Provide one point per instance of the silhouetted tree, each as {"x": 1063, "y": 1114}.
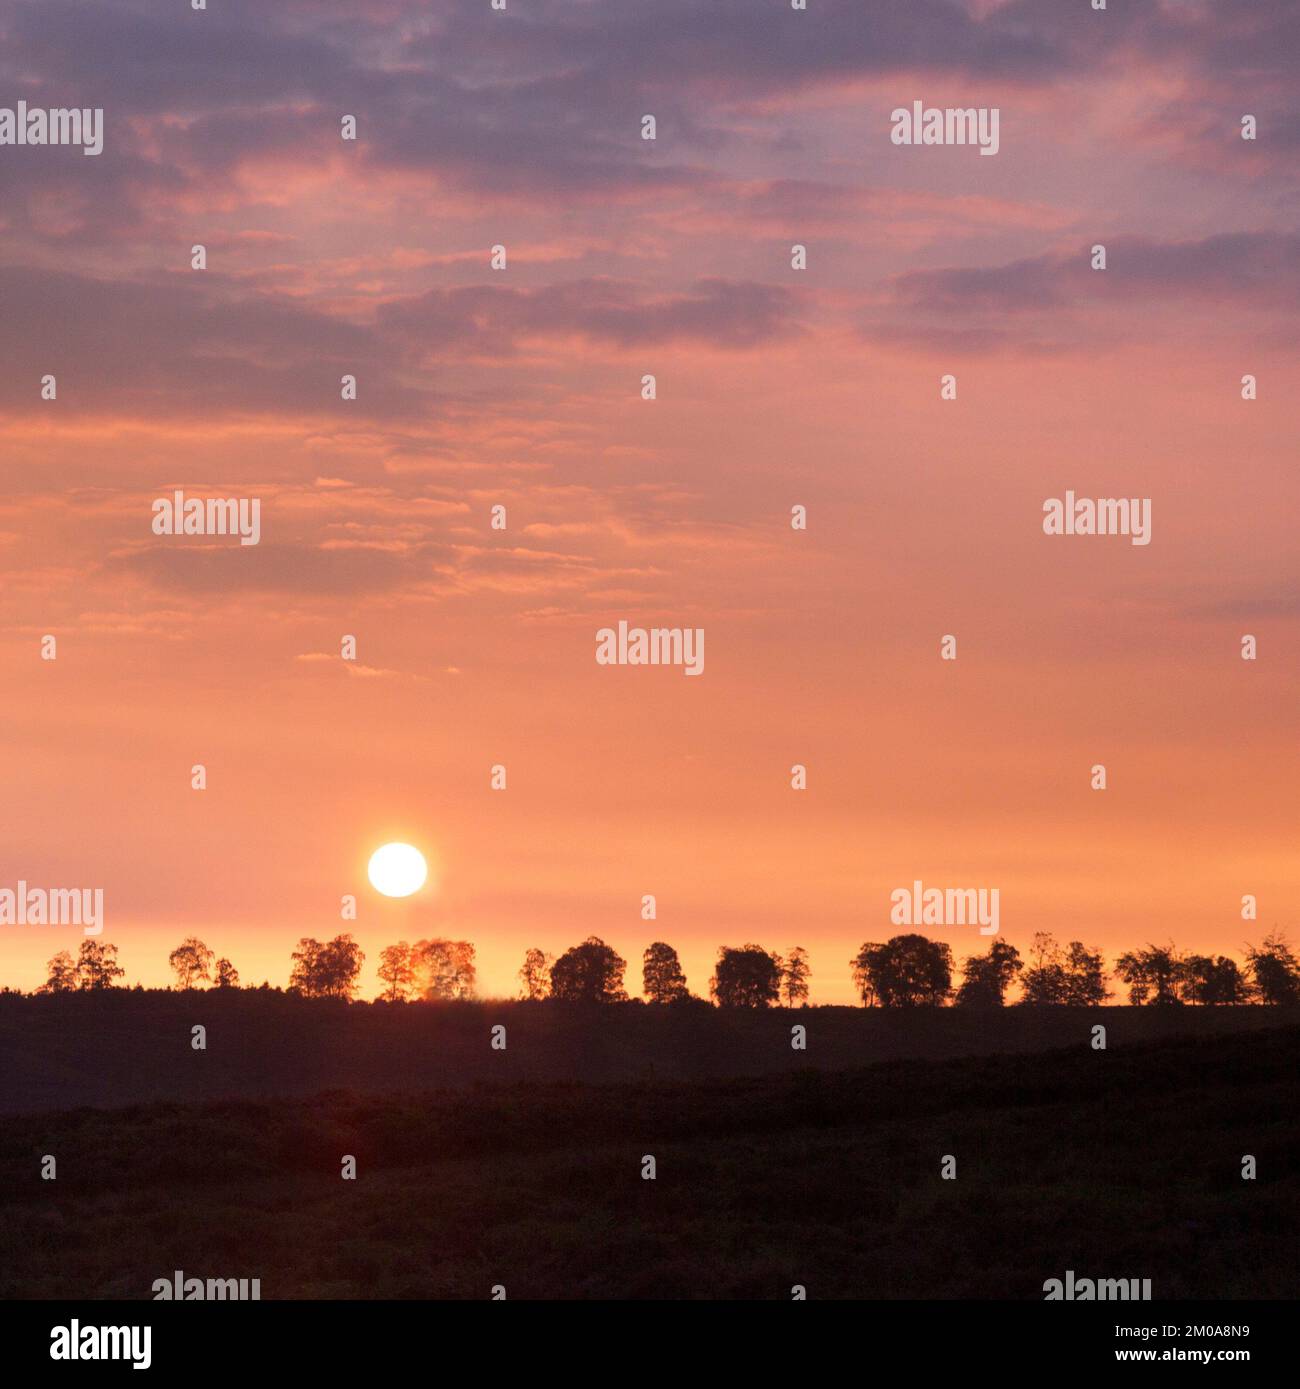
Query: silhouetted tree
{"x": 305, "y": 975}
{"x": 986, "y": 978}
{"x": 1154, "y": 976}
{"x": 1214, "y": 982}
{"x": 227, "y": 974}
{"x": 1275, "y": 970}
{"x": 794, "y": 978}
{"x": 444, "y": 969}
{"x": 908, "y": 971}
{"x": 1085, "y": 976}
{"x": 97, "y": 965}
{"x": 62, "y": 975}
{"x": 749, "y": 977}
{"x": 661, "y": 974}
{"x": 326, "y": 970}
{"x": 1044, "y": 979}
{"x": 535, "y": 974}
{"x": 191, "y": 961}
{"x": 397, "y": 971}
{"x": 1075, "y": 977}
{"x": 589, "y": 973}
{"x": 862, "y": 980}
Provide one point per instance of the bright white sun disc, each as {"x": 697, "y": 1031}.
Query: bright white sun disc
{"x": 397, "y": 870}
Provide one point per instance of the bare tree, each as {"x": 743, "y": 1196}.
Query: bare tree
{"x": 397, "y": 971}
{"x": 444, "y": 969}
{"x": 326, "y": 970}
{"x": 535, "y": 975}
{"x": 97, "y": 965}
{"x": 62, "y": 975}
{"x": 794, "y": 978}
{"x": 191, "y": 962}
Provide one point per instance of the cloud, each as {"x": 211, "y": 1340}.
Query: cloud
{"x": 352, "y": 669}
{"x": 306, "y": 569}
{"x": 1043, "y": 301}
{"x": 188, "y": 343}
{"x": 200, "y": 345}
{"x": 480, "y": 318}
{"x": 547, "y": 100}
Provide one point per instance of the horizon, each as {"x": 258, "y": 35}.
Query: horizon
{"x": 632, "y": 976}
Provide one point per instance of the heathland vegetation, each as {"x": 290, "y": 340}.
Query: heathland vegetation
{"x": 1126, "y": 1162}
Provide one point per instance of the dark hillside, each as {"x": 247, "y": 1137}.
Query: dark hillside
{"x": 123, "y": 1046}
{"x": 1116, "y": 1164}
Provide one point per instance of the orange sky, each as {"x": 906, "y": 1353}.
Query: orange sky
{"x": 775, "y": 388}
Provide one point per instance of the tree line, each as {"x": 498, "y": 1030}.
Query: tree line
{"x": 906, "y": 971}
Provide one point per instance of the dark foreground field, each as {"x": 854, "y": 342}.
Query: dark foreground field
{"x": 1116, "y": 1164}
{"x": 126, "y": 1046}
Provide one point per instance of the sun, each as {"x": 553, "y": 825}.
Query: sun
{"x": 397, "y": 870}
